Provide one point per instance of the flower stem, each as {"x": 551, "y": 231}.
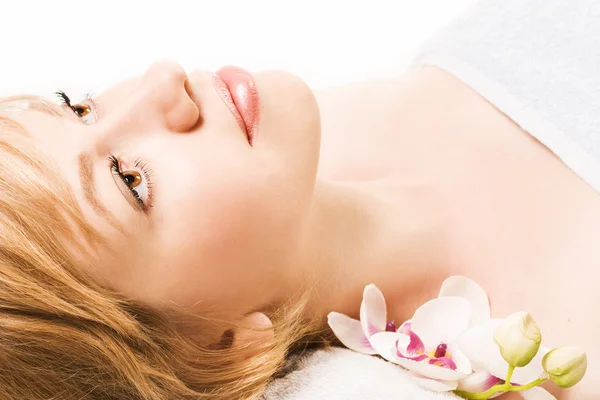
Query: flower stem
{"x": 528, "y": 386}
{"x": 509, "y": 374}
{"x": 483, "y": 395}
{"x": 505, "y": 387}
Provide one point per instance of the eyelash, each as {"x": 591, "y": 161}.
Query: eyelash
{"x": 77, "y": 108}
{"x": 115, "y": 167}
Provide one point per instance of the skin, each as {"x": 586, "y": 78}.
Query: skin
{"x": 414, "y": 179}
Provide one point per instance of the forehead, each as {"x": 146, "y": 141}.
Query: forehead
{"x": 13, "y": 108}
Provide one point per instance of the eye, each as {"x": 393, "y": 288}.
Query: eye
{"x": 132, "y": 178}
{"x": 135, "y": 183}
{"x": 85, "y": 111}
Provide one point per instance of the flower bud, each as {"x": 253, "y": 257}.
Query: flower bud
{"x": 565, "y": 365}
{"x": 518, "y": 337}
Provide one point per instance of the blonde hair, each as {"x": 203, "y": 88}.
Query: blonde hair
{"x": 65, "y": 336}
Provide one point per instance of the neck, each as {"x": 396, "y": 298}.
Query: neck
{"x": 356, "y": 237}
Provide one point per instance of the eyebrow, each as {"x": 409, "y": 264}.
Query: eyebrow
{"x": 88, "y": 184}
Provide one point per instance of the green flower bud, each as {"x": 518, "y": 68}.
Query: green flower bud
{"x": 565, "y": 365}
{"x": 519, "y": 338}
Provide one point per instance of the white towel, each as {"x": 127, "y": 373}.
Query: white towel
{"x": 342, "y": 374}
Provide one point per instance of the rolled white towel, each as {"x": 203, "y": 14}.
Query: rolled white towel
{"x": 342, "y": 374}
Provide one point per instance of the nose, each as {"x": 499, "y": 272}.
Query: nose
{"x": 163, "y": 96}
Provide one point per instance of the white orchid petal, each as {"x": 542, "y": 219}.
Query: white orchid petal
{"x": 466, "y": 288}
{"x": 373, "y": 313}
{"x": 432, "y": 384}
{"x": 441, "y": 320}
{"x": 537, "y": 393}
{"x": 478, "y": 382}
{"x": 385, "y": 344}
{"x": 429, "y": 370}
{"x": 349, "y": 332}
{"x": 477, "y": 343}
{"x": 463, "y": 364}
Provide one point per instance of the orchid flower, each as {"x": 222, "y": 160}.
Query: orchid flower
{"x": 356, "y": 334}
{"x": 427, "y": 346}
{"x": 451, "y": 344}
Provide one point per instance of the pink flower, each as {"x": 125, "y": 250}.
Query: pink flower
{"x": 448, "y": 344}
{"x": 429, "y": 349}
{"x": 426, "y": 344}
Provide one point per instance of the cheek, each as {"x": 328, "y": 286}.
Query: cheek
{"x": 233, "y": 232}
{"x": 250, "y": 215}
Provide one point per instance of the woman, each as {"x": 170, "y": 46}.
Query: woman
{"x": 173, "y": 237}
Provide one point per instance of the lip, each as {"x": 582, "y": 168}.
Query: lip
{"x": 237, "y": 88}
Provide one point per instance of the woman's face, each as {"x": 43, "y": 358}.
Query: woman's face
{"x": 194, "y": 213}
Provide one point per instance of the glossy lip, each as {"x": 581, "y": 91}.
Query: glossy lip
{"x": 237, "y": 88}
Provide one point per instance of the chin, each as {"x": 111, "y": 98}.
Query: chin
{"x": 290, "y": 123}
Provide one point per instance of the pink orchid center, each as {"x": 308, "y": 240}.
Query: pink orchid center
{"x": 440, "y": 351}
{"x": 444, "y": 362}
{"x": 441, "y": 357}
{"x": 391, "y": 326}
{"x": 415, "y": 351}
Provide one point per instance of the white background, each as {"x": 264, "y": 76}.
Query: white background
{"x": 90, "y": 45}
